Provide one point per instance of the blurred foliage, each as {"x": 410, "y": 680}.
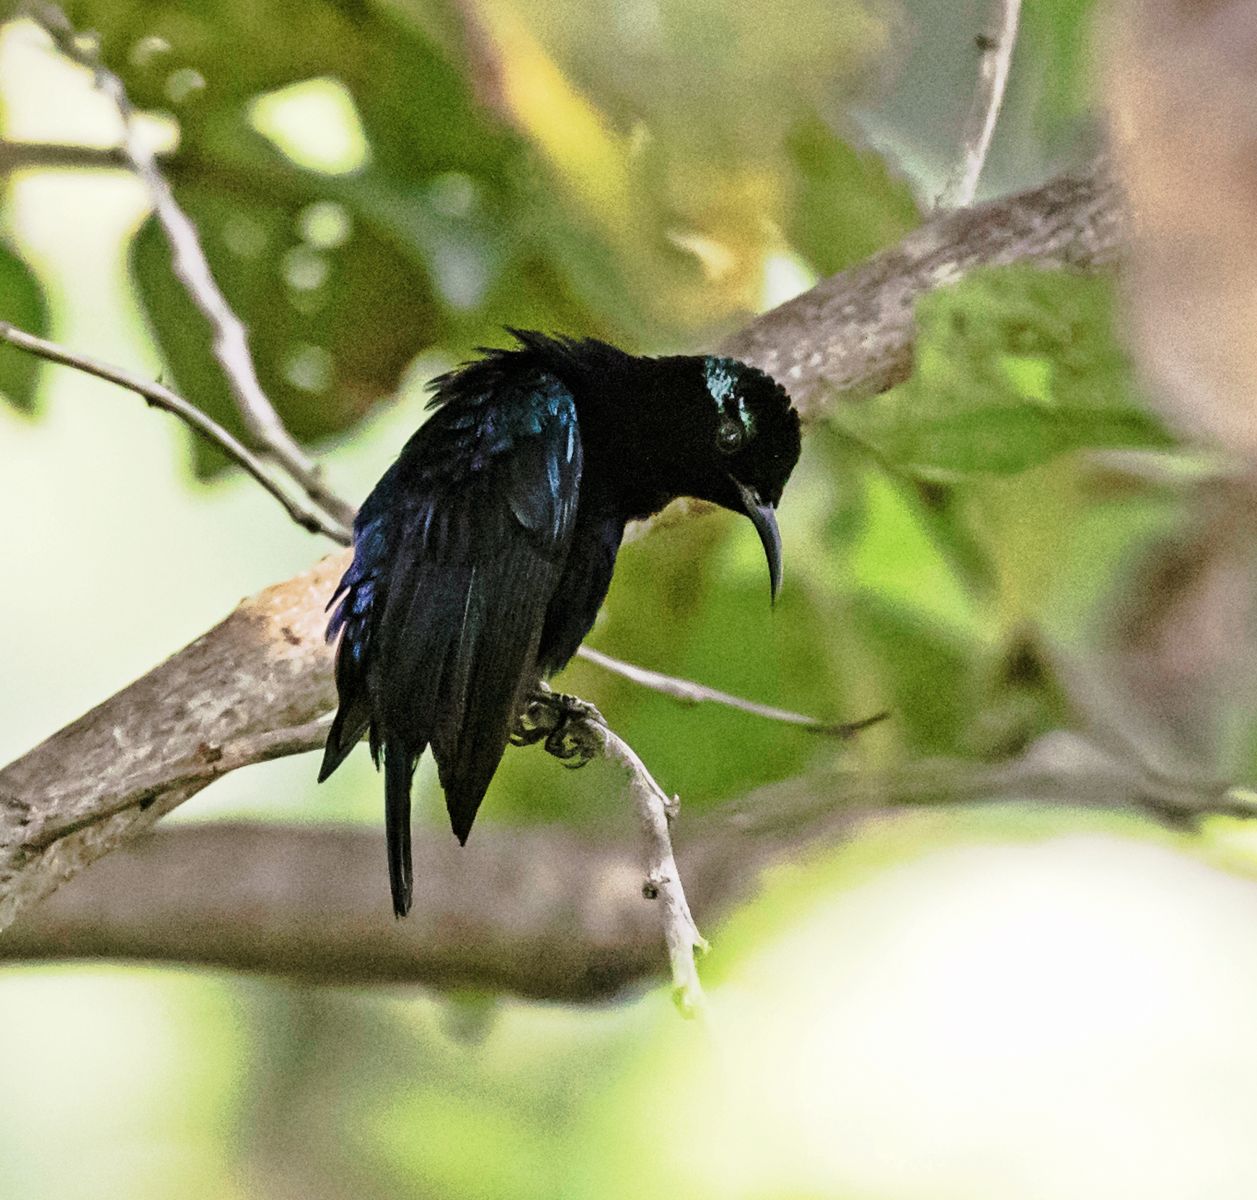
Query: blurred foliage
{"x": 850, "y": 203}
{"x": 1013, "y": 367}
{"x": 22, "y": 303}
{"x": 428, "y": 245}
{"x": 513, "y": 170}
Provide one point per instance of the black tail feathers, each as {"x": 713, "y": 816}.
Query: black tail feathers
{"x": 399, "y": 772}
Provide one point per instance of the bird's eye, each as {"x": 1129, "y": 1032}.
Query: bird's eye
{"x": 729, "y": 435}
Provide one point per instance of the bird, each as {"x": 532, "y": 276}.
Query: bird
{"x": 483, "y": 554}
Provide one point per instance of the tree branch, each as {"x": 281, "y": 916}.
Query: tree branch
{"x": 655, "y": 811}
{"x": 200, "y": 770}
{"x": 267, "y": 667}
{"x": 45, "y": 156}
{"x": 160, "y": 396}
{"x": 191, "y": 267}
{"x": 257, "y": 897}
{"x": 997, "y": 57}
{"x": 688, "y": 692}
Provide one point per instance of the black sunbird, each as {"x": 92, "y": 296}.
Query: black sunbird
{"x": 483, "y": 554}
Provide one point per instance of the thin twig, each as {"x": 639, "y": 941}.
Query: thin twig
{"x": 162, "y": 397}
{"x": 192, "y": 269}
{"x": 689, "y": 692}
{"x": 997, "y": 56}
{"x": 48, "y": 156}
{"x": 655, "y": 811}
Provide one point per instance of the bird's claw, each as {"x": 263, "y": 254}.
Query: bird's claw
{"x": 573, "y": 744}
{"x": 563, "y": 723}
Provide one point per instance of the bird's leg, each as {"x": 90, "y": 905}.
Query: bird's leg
{"x": 562, "y": 722}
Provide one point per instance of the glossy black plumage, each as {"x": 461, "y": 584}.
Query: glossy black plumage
{"x": 483, "y": 554}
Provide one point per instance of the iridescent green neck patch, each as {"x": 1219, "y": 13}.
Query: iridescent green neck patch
{"x": 722, "y": 377}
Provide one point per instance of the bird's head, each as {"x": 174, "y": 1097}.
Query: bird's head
{"x": 752, "y": 446}
{"x": 682, "y": 425}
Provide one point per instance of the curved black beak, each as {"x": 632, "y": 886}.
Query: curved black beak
{"x": 765, "y": 522}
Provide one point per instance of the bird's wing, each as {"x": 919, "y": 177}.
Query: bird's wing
{"x": 457, "y": 555}
{"x": 519, "y": 515}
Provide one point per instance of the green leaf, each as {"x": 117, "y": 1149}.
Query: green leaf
{"x": 848, "y": 203}
{"x": 1058, "y": 53}
{"x": 924, "y": 673}
{"x": 331, "y": 327}
{"x": 1013, "y": 367}
{"x": 237, "y": 48}
{"x": 432, "y": 242}
{"x": 22, "y": 303}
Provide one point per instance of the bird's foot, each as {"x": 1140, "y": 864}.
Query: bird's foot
{"x": 564, "y": 723}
